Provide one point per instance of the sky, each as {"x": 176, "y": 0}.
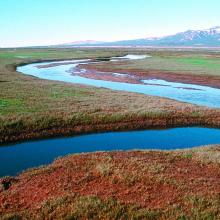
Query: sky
{"x": 48, "y": 22}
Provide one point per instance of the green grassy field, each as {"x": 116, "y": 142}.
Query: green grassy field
{"x": 31, "y": 107}
{"x": 194, "y": 62}
{"x": 188, "y": 65}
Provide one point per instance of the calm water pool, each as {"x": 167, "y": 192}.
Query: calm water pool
{"x": 18, "y": 157}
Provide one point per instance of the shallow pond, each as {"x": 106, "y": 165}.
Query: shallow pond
{"x": 18, "y": 157}
{"x": 195, "y": 94}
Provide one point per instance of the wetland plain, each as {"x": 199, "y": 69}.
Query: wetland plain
{"x": 33, "y": 107}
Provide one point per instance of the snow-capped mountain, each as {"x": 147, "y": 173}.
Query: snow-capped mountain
{"x": 207, "y": 37}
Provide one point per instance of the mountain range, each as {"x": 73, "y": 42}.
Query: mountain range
{"x": 203, "y": 38}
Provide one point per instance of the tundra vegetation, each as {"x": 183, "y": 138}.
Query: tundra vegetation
{"x": 119, "y": 185}
{"x": 109, "y": 185}
{"x": 36, "y": 108}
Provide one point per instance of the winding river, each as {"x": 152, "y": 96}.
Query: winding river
{"x": 60, "y": 71}
{"x": 17, "y": 157}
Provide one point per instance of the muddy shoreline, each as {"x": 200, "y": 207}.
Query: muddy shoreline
{"x": 140, "y": 74}
{"x": 107, "y": 76}
{"x": 99, "y": 71}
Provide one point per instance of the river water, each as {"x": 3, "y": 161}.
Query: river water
{"x": 190, "y": 93}
{"x": 20, "y": 156}
{"x": 17, "y": 157}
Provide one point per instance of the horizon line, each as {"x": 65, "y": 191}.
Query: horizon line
{"x": 109, "y": 41}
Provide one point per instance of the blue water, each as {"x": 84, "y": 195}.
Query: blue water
{"x": 14, "y": 159}
{"x": 190, "y": 93}
{"x": 18, "y": 157}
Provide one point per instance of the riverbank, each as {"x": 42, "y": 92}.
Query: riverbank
{"x": 55, "y": 127}
{"x": 109, "y": 185}
{"x": 28, "y": 154}
{"x": 32, "y": 108}
{"x": 106, "y": 69}
{"x": 138, "y": 184}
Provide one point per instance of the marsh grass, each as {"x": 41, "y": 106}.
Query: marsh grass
{"x": 131, "y": 172}
{"x": 104, "y": 168}
{"x": 38, "y": 171}
{"x": 30, "y": 106}
{"x": 197, "y": 64}
{"x": 203, "y": 207}
{"x": 205, "y": 154}
{"x": 92, "y": 207}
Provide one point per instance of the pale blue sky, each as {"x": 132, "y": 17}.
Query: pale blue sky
{"x": 42, "y": 22}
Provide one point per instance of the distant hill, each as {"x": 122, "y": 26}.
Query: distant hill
{"x": 87, "y": 42}
{"x": 207, "y": 37}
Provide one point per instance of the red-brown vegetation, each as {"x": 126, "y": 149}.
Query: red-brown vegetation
{"x": 152, "y": 180}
